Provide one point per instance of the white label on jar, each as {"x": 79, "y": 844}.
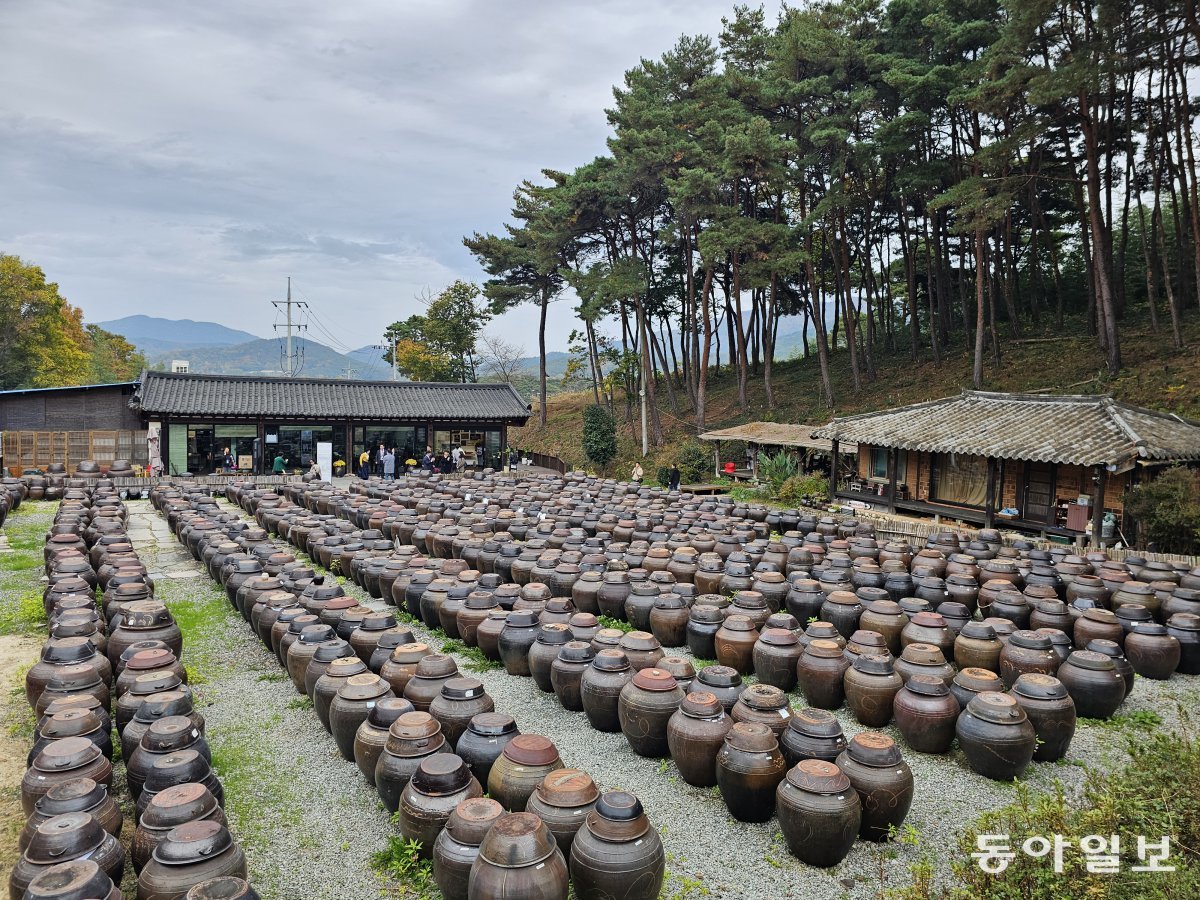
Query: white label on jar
{"x": 784, "y": 713}
{"x": 371, "y": 704}
{"x": 470, "y": 693}
{"x": 638, "y": 842}
{"x": 539, "y": 866}
{"x": 578, "y": 812}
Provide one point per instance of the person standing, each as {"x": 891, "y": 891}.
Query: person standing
{"x": 674, "y": 477}
{"x": 227, "y": 461}
{"x": 427, "y": 461}
{"x": 389, "y": 465}
{"x": 379, "y": 455}
{"x": 364, "y": 463}
{"x": 457, "y": 456}
{"x": 277, "y": 467}
{"x": 637, "y": 474}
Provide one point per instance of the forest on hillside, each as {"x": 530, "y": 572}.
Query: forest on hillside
{"x": 910, "y": 176}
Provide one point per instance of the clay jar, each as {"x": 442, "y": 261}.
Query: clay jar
{"x": 842, "y": 609}
{"x": 996, "y": 736}
{"x": 695, "y": 734}
{"x": 616, "y": 853}
{"x": 1152, "y": 651}
{"x": 820, "y": 671}
{"x": 1097, "y": 624}
{"x": 402, "y": 665}
{"x": 441, "y": 782}
{"x": 1093, "y": 682}
{"x": 63, "y": 760}
{"x": 644, "y": 706}
{"x": 923, "y": 659}
{"x": 600, "y": 689}
{"x": 885, "y": 617}
{"x": 189, "y": 855}
{"x": 722, "y": 682}
{"x": 926, "y": 712}
{"x": 819, "y": 812}
{"x": 1124, "y": 668}
{"x": 326, "y": 686}
{"x": 66, "y": 838}
{"x": 1027, "y": 652}
{"x": 641, "y": 649}
{"x": 457, "y": 846}
{"x": 929, "y": 628}
{"x": 884, "y": 783}
{"x": 520, "y": 632}
{"x": 871, "y": 685}
{"x": 372, "y": 734}
{"x": 460, "y": 701}
{"x": 1051, "y": 712}
{"x": 971, "y": 681}
{"x": 169, "y": 809}
{"x": 775, "y": 656}
{"x": 764, "y": 704}
{"x": 484, "y": 740}
{"x": 669, "y": 620}
{"x": 978, "y": 647}
{"x": 167, "y": 735}
{"x": 525, "y": 762}
{"x": 749, "y": 769}
{"x": 812, "y": 734}
{"x": 518, "y": 860}
{"x": 562, "y": 801}
{"x": 81, "y": 795}
{"x": 566, "y": 673}
{"x": 1185, "y": 628}
{"x": 411, "y": 738}
{"x": 544, "y": 651}
{"x": 734, "y": 643}
{"x": 432, "y": 672}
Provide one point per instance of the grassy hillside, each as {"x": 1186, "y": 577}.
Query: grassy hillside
{"x": 1155, "y": 376}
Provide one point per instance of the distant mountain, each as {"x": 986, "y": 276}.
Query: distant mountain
{"x": 556, "y": 363}
{"x": 265, "y": 357}
{"x": 153, "y": 335}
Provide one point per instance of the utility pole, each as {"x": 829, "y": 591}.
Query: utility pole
{"x": 290, "y": 366}
{"x": 645, "y": 375}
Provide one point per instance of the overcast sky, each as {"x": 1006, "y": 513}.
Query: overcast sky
{"x": 181, "y": 159}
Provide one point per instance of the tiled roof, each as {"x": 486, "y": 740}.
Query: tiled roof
{"x": 1079, "y": 430}
{"x": 776, "y": 434}
{"x": 169, "y": 393}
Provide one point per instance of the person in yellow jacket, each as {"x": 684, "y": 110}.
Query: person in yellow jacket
{"x": 364, "y": 460}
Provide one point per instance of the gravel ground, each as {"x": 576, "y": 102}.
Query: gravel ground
{"x": 311, "y": 800}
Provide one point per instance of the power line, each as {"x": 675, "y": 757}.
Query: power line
{"x": 291, "y": 363}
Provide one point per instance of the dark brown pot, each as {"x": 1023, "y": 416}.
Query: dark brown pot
{"x": 563, "y": 800}
{"x": 695, "y": 734}
{"x": 600, "y": 689}
{"x": 544, "y": 651}
{"x": 1093, "y": 682}
{"x": 925, "y": 714}
{"x": 923, "y": 659}
{"x": 996, "y": 736}
{"x": 189, "y": 855}
{"x": 62, "y": 761}
{"x": 432, "y": 672}
{"x": 411, "y": 738}
{"x": 842, "y": 609}
{"x": 812, "y": 734}
{"x": 617, "y": 853}
{"x": 372, "y": 734}
{"x": 401, "y": 666}
{"x": 971, "y": 681}
{"x": 1153, "y": 651}
{"x": 170, "y": 808}
{"x": 484, "y": 740}
{"x": 566, "y": 673}
{"x": 977, "y": 647}
{"x": 885, "y": 618}
{"x": 775, "y": 656}
{"x": 327, "y": 685}
{"x": 642, "y": 649}
{"x": 1027, "y": 652}
{"x": 81, "y": 795}
{"x": 820, "y": 671}
{"x": 884, "y": 783}
{"x": 644, "y": 706}
{"x": 871, "y": 685}
{"x": 460, "y": 701}
{"x": 525, "y": 762}
{"x": 1051, "y": 712}
{"x": 734, "y": 643}
{"x": 519, "y": 860}
{"x": 457, "y": 846}
{"x": 819, "y": 813}
{"x": 66, "y": 838}
{"x": 441, "y": 782}
{"x": 749, "y": 769}
{"x": 1097, "y": 624}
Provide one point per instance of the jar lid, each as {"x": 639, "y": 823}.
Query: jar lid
{"x": 583, "y": 620}
{"x": 719, "y": 676}
{"x": 568, "y": 788}
{"x": 521, "y": 618}
{"x": 531, "y": 750}
{"x": 66, "y": 754}
{"x": 178, "y": 804}
{"x": 992, "y": 706}
{"x": 979, "y": 631}
{"x": 823, "y": 649}
{"x": 331, "y": 650}
{"x": 1037, "y": 686}
{"x": 1184, "y": 622}
{"x": 1091, "y": 659}
{"x": 872, "y": 748}
{"x": 70, "y": 834}
{"x": 1030, "y": 640}
{"x": 492, "y": 724}
{"x": 611, "y": 661}
{"x": 74, "y": 677}
{"x": 656, "y": 680}
{"x": 783, "y": 620}
{"x": 976, "y": 679}
{"x": 407, "y": 654}
{"x": 923, "y": 654}
{"x": 554, "y": 633}
{"x": 952, "y": 609}
{"x": 517, "y": 840}
{"x": 1096, "y": 614}
{"x": 927, "y": 686}
{"x": 778, "y": 637}
{"x": 751, "y": 737}
{"x": 874, "y": 664}
{"x": 76, "y": 795}
{"x": 462, "y": 688}
{"x": 1108, "y": 648}
{"x": 819, "y": 723}
{"x": 617, "y": 817}
{"x": 816, "y": 776}
{"x": 441, "y": 774}
{"x": 346, "y": 667}
{"x": 885, "y": 608}
{"x": 1149, "y": 628}
{"x": 364, "y": 686}
{"x": 678, "y": 667}
{"x": 765, "y": 697}
{"x": 471, "y": 819}
{"x": 825, "y": 630}
{"x": 843, "y": 598}
{"x": 436, "y": 665}
{"x": 77, "y": 878}
{"x": 193, "y": 842}
{"x": 737, "y": 622}
{"x": 702, "y": 705}
{"x": 316, "y": 634}
{"x": 926, "y": 619}
{"x": 640, "y": 640}
{"x": 388, "y": 710}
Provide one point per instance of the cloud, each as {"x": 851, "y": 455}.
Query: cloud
{"x": 182, "y": 159}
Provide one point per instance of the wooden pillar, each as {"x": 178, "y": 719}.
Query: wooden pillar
{"x": 717, "y": 459}
{"x": 891, "y": 474}
{"x": 989, "y": 503}
{"x": 1097, "y": 505}
{"x": 833, "y": 469}
{"x": 351, "y": 458}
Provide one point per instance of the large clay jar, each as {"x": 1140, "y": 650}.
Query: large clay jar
{"x": 929, "y": 628}
{"x": 764, "y": 704}
{"x": 562, "y": 801}
{"x": 61, "y": 761}
{"x": 401, "y": 665}
{"x": 460, "y": 701}
{"x": 996, "y": 736}
{"x": 820, "y": 671}
{"x": 734, "y": 643}
{"x": 79, "y": 796}
{"x": 457, "y": 846}
{"x": 1093, "y": 682}
{"x": 519, "y": 634}
{"x": 1097, "y": 624}
{"x": 775, "y": 656}
{"x": 169, "y": 809}
{"x": 722, "y": 682}
{"x": 669, "y": 620}
{"x": 842, "y": 609}
{"x": 812, "y": 734}
{"x": 518, "y": 860}
{"x": 432, "y": 672}
{"x": 819, "y": 813}
{"x": 411, "y": 738}
{"x": 66, "y": 838}
{"x": 544, "y": 651}
{"x": 1027, "y": 652}
{"x": 923, "y": 659}
{"x": 325, "y": 688}
{"x": 566, "y": 673}
{"x": 600, "y": 689}
{"x": 1113, "y": 651}
{"x": 885, "y": 617}
{"x": 189, "y": 855}
{"x": 350, "y": 707}
{"x": 525, "y": 762}
{"x": 926, "y": 712}
{"x": 642, "y": 649}
{"x": 441, "y": 782}
{"x": 163, "y": 737}
{"x": 1152, "y": 651}
{"x": 372, "y": 735}
{"x": 871, "y": 685}
{"x": 617, "y": 853}
{"x": 1185, "y": 628}
{"x": 644, "y": 706}
{"x": 695, "y": 734}
{"x": 749, "y": 769}
{"x": 977, "y": 647}
{"x": 77, "y": 878}
{"x": 884, "y": 783}
{"x": 1051, "y": 712}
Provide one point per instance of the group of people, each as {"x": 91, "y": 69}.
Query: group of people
{"x": 385, "y": 461}
{"x": 673, "y": 477}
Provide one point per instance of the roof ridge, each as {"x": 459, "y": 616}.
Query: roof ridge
{"x": 221, "y": 376}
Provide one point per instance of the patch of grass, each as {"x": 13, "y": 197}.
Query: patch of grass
{"x": 610, "y": 622}
{"x": 274, "y": 677}
{"x": 23, "y": 614}
{"x": 1138, "y": 720}
{"x": 402, "y": 862}
{"x": 699, "y": 664}
{"x": 476, "y": 661}
{"x": 202, "y": 617}
{"x": 252, "y": 785}
{"x": 300, "y": 703}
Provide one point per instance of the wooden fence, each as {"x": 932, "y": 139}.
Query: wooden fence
{"x": 23, "y": 450}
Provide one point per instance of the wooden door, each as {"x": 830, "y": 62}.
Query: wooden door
{"x": 1039, "y": 493}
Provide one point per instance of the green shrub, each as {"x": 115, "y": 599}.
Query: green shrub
{"x": 775, "y": 469}
{"x": 663, "y": 476}
{"x": 1167, "y": 511}
{"x": 695, "y": 462}
{"x": 800, "y": 487}
{"x": 599, "y": 435}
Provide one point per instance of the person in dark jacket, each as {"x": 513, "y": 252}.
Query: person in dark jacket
{"x": 674, "y": 477}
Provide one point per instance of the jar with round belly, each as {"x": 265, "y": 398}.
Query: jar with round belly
{"x": 812, "y": 734}
{"x": 871, "y": 685}
{"x": 819, "y": 813}
{"x": 820, "y": 672}
{"x": 669, "y": 620}
{"x": 401, "y": 666}
{"x": 996, "y": 736}
{"x": 843, "y": 610}
{"x": 641, "y": 649}
{"x": 82, "y": 795}
{"x": 188, "y": 855}
{"x": 1051, "y": 712}
{"x": 64, "y": 840}
{"x": 518, "y": 635}
{"x": 562, "y": 801}
{"x": 326, "y": 687}
{"x": 169, "y": 809}
{"x": 433, "y": 671}
{"x": 167, "y": 735}
{"x": 929, "y": 628}
{"x": 1027, "y": 652}
{"x": 644, "y": 706}
{"x": 764, "y": 704}
{"x": 804, "y": 599}
{"x": 926, "y": 712}
{"x": 600, "y": 689}
{"x": 749, "y": 769}
{"x": 372, "y": 734}
{"x": 775, "y": 655}
{"x": 722, "y": 682}
{"x": 519, "y": 859}
{"x": 882, "y": 779}
{"x": 411, "y": 738}
{"x": 1153, "y": 651}
{"x": 1185, "y": 628}
{"x": 1113, "y": 651}
{"x": 924, "y": 659}
{"x": 1097, "y": 624}
{"x": 457, "y": 846}
{"x": 63, "y": 760}
{"x": 734, "y": 643}
{"x": 704, "y": 621}
{"x": 695, "y": 734}
{"x": 484, "y": 740}
{"x": 978, "y": 647}
{"x": 442, "y": 781}
{"x": 350, "y": 707}
{"x": 566, "y": 673}
{"x": 460, "y": 701}
{"x": 617, "y": 853}
{"x": 884, "y": 617}
{"x": 525, "y": 762}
